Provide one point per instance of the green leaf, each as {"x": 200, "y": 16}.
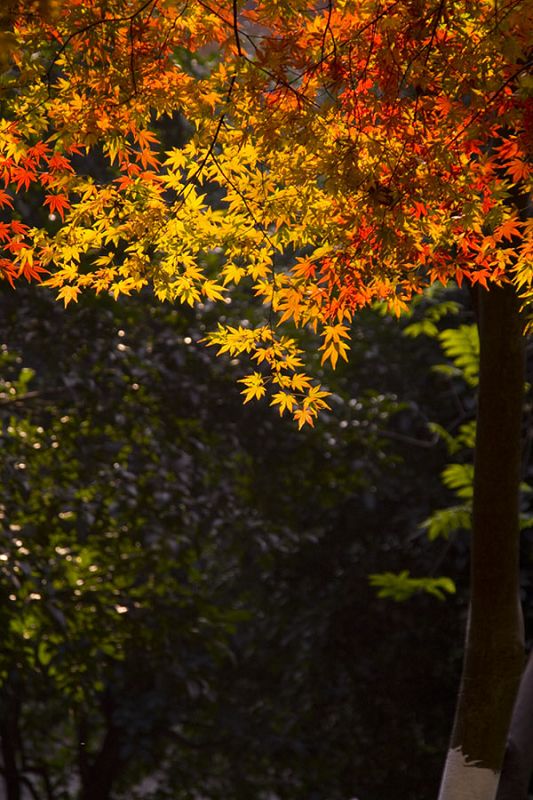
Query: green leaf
{"x": 450, "y": 441}
{"x": 461, "y": 345}
{"x": 446, "y": 521}
{"x": 400, "y": 586}
{"x": 25, "y": 376}
{"x": 423, "y": 328}
{"x": 460, "y": 478}
{"x": 43, "y": 653}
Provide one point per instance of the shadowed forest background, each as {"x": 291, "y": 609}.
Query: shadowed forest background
{"x": 185, "y": 588}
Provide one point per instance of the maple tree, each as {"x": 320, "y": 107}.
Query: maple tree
{"x": 340, "y": 154}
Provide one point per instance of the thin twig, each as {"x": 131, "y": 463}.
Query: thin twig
{"x": 236, "y": 27}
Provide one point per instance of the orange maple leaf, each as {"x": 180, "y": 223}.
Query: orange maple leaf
{"x": 32, "y": 271}
{"x": 23, "y": 177}
{"x": 68, "y": 294}
{"x": 5, "y": 199}
{"x": 517, "y": 169}
{"x": 8, "y": 271}
{"x": 57, "y": 202}
{"x": 508, "y": 229}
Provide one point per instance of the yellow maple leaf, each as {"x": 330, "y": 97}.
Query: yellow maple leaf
{"x": 255, "y": 387}
{"x": 212, "y": 290}
{"x": 284, "y": 401}
{"x": 304, "y": 416}
{"x": 68, "y": 294}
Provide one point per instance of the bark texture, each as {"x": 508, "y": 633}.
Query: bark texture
{"x": 494, "y": 650}
{"x": 98, "y": 778}
{"x": 9, "y": 741}
{"x": 518, "y": 761}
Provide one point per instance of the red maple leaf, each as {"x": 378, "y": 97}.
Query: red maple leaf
{"x": 517, "y": 169}
{"x": 5, "y": 199}
{"x": 57, "y": 202}
{"x": 32, "y": 271}
{"x": 8, "y": 271}
{"x": 23, "y": 177}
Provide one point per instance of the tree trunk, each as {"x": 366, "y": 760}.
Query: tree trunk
{"x": 9, "y": 737}
{"x": 97, "y": 778}
{"x": 494, "y": 650}
{"x": 10, "y": 772}
{"x": 518, "y": 761}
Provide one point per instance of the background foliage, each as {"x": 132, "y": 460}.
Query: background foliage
{"x": 185, "y": 580}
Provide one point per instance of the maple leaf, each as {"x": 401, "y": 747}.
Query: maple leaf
{"x": 57, "y": 202}
{"x": 8, "y": 271}
{"x": 518, "y": 169}
{"x": 507, "y": 149}
{"x": 38, "y": 151}
{"x": 5, "y": 199}
{"x": 145, "y": 138}
{"x": 123, "y": 182}
{"x": 316, "y": 398}
{"x": 22, "y": 177}
{"x": 176, "y": 158}
{"x": 58, "y": 162}
{"x": 5, "y": 231}
{"x": 18, "y": 227}
{"x": 148, "y": 158}
{"x": 284, "y": 401}
{"x": 255, "y": 387}
{"x": 29, "y": 268}
{"x": 508, "y": 230}
{"x": 233, "y": 273}
{"x": 212, "y": 290}
{"x": 334, "y": 346}
{"x": 420, "y": 209}
{"x": 68, "y": 294}
{"x": 304, "y": 416}
{"x": 300, "y": 382}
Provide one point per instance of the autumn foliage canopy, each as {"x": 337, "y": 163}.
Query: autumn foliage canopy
{"x": 339, "y": 153}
